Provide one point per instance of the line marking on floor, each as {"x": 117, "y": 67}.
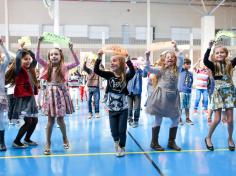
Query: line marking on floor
{"x": 108, "y": 153}
{"x": 148, "y": 157}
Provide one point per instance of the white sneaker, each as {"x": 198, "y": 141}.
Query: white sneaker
{"x": 77, "y": 107}
{"x": 11, "y": 122}
{"x": 97, "y": 115}
{"x": 17, "y": 123}
{"x": 135, "y": 124}
{"x": 90, "y": 116}
{"x": 121, "y": 152}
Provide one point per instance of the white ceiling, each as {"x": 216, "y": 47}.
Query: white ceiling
{"x": 193, "y": 2}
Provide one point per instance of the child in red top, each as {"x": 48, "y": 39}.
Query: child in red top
{"x": 23, "y": 75}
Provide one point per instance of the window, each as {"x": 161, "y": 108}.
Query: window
{"x": 76, "y": 30}
{"x": 196, "y": 33}
{"x": 180, "y": 33}
{"x": 140, "y": 33}
{"x": 125, "y": 33}
{"x": 21, "y": 29}
{"x": 97, "y": 32}
{"x": 49, "y": 28}
{"x": 233, "y": 40}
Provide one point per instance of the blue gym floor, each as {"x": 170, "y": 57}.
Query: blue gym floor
{"x": 92, "y": 150}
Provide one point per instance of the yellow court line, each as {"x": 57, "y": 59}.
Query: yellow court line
{"x": 106, "y": 153}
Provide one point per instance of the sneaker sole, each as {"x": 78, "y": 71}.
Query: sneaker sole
{"x": 47, "y": 152}
{"x": 120, "y": 155}
{"x": 30, "y": 144}
{"x": 19, "y": 147}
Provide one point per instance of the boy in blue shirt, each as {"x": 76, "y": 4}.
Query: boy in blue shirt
{"x": 185, "y": 87}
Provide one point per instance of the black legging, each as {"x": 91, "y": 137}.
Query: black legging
{"x": 28, "y": 128}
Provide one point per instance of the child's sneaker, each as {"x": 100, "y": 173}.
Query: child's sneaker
{"x": 130, "y": 121}
{"x": 188, "y": 121}
{"x": 90, "y": 115}
{"x": 19, "y": 145}
{"x": 47, "y": 150}
{"x": 97, "y": 115}
{"x": 66, "y": 146}
{"x": 135, "y": 124}
{"x": 181, "y": 122}
{"x": 17, "y": 123}
{"x": 195, "y": 111}
{"x": 30, "y": 143}
{"x": 121, "y": 152}
{"x": 11, "y": 122}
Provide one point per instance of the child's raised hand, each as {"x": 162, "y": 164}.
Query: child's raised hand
{"x": 147, "y": 53}
{"x": 22, "y": 44}
{"x": 86, "y": 59}
{"x": 71, "y": 46}
{"x": 174, "y": 45}
{"x": 41, "y": 38}
{"x": 211, "y": 43}
{"x": 100, "y": 53}
{"x": 1, "y": 41}
{"x": 127, "y": 58}
{"x": 173, "y": 42}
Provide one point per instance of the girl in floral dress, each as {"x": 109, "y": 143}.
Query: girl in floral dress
{"x": 57, "y": 101}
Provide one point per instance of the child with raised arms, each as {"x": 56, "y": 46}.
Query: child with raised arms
{"x": 57, "y": 102}
{"x": 117, "y": 80}
{"x": 3, "y": 98}
{"x": 223, "y": 96}
{"x": 164, "y": 101}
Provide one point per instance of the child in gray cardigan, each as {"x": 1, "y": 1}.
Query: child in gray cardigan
{"x": 3, "y": 98}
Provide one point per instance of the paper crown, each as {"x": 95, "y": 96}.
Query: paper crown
{"x": 115, "y": 49}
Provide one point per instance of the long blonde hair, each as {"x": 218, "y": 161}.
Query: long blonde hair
{"x": 59, "y": 74}
{"x": 227, "y": 68}
{"x": 158, "y": 63}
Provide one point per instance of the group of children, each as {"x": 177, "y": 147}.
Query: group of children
{"x": 76, "y": 84}
{"x": 57, "y": 102}
{"x": 172, "y": 90}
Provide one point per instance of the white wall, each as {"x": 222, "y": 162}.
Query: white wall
{"x": 114, "y": 15}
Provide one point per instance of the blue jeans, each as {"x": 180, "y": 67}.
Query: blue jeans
{"x": 95, "y": 93}
{"x": 204, "y": 92}
{"x": 118, "y": 125}
{"x": 134, "y": 103}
